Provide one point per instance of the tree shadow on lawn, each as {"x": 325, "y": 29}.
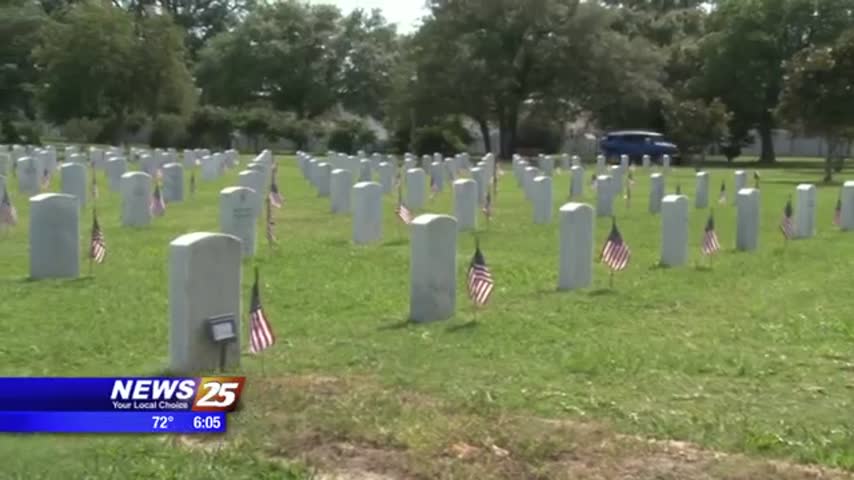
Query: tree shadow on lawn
{"x": 395, "y": 243}
{"x": 399, "y": 324}
{"x": 471, "y": 324}
{"x": 79, "y": 281}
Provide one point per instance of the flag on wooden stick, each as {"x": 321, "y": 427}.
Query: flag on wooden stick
{"x": 261, "y": 336}
{"x": 837, "y": 214}
{"x": 192, "y": 182}
{"x": 270, "y": 223}
{"x": 722, "y": 196}
{"x": 787, "y": 225}
{"x": 8, "y": 213}
{"x": 711, "y": 245}
{"x": 616, "y": 253}
{"x": 401, "y": 211}
{"x": 157, "y": 206}
{"x": 97, "y": 243}
{"x": 480, "y": 283}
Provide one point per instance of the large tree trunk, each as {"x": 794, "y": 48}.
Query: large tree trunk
{"x": 484, "y": 132}
{"x": 767, "y": 140}
{"x": 508, "y": 122}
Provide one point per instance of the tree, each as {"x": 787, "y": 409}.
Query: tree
{"x": 96, "y": 62}
{"x": 19, "y": 27}
{"x": 748, "y": 43}
{"x": 817, "y": 96}
{"x": 283, "y": 54}
{"x": 502, "y": 56}
{"x": 695, "y": 124}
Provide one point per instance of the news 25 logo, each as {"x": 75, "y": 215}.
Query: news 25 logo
{"x": 205, "y": 394}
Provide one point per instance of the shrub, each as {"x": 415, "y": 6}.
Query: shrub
{"x": 348, "y": 137}
{"x": 82, "y": 130}
{"x": 168, "y": 130}
{"x": 436, "y": 139}
{"x": 211, "y": 127}
{"x": 538, "y": 136}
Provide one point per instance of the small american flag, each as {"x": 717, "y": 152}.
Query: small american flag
{"x": 722, "y": 196}
{"x": 275, "y": 197}
{"x": 434, "y": 186}
{"x": 192, "y": 183}
{"x": 837, "y": 214}
{"x": 159, "y": 174}
{"x": 157, "y": 206}
{"x": 97, "y": 245}
{"x": 45, "y": 179}
{"x": 261, "y": 336}
{"x": 8, "y": 213}
{"x": 94, "y": 184}
{"x": 710, "y": 238}
{"x": 402, "y": 212}
{"x": 480, "y": 284}
{"x": 678, "y": 189}
{"x": 271, "y": 224}
{"x": 593, "y": 182}
{"x": 787, "y": 226}
{"x": 615, "y": 253}
{"x": 487, "y": 207}
{"x": 756, "y": 178}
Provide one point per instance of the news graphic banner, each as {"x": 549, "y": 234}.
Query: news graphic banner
{"x": 118, "y": 405}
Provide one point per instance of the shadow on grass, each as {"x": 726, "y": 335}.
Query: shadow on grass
{"x": 463, "y": 326}
{"x": 602, "y": 292}
{"x": 703, "y": 268}
{"x": 395, "y": 243}
{"x": 396, "y": 325}
{"x": 83, "y": 280}
{"x": 338, "y": 242}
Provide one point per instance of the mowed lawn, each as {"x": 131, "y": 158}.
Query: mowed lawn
{"x": 754, "y": 355}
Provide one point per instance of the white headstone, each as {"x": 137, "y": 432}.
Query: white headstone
{"x": 386, "y": 177}
{"x": 542, "y": 199}
{"x": 600, "y": 164}
{"x": 665, "y": 162}
{"x": 740, "y": 180}
{"x": 54, "y": 236}
{"x": 616, "y": 172}
{"x": 478, "y": 174}
{"x": 254, "y": 180}
{"x": 238, "y": 211}
{"x": 73, "y": 180}
{"x": 365, "y": 171}
{"x": 367, "y": 212}
{"x": 465, "y": 204}
{"x": 528, "y": 177}
{"x": 576, "y": 246}
{"x": 701, "y": 195}
{"x": 624, "y": 162}
{"x": 116, "y": 167}
{"x": 674, "y": 230}
{"x": 173, "y": 182}
{"x": 647, "y": 161}
{"x": 204, "y": 283}
{"x": 5, "y": 162}
{"x": 846, "y": 215}
{"x": 342, "y": 185}
{"x": 29, "y": 176}
{"x": 136, "y": 199}
{"x": 576, "y": 186}
{"x": 433, "y": 268}
{"x": 656, "y": 192}
{"x": 805, "y": 211}
{"x": 324, "y": 171}
{"x": 747, "y": 232}
{"x": 604, "y": 196}
{"x": 547, "y": 165}
{"x": 211, "y": 167}
{"x": 415, "y": 188}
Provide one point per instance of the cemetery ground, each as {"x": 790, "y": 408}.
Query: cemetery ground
{"x": 739, "y": 370}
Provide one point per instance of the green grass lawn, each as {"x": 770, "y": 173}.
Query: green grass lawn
{"x": 754, "y": 355}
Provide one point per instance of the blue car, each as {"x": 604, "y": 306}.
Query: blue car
{"x": 636, "y": 144}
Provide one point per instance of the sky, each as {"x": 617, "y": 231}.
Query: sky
{"x": 405, "y": 13}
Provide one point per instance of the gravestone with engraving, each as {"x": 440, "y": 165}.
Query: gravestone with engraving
{"x": 238, "y": 212}
{"x": 54, "y": 236}
{"x": 433, "y": 268}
